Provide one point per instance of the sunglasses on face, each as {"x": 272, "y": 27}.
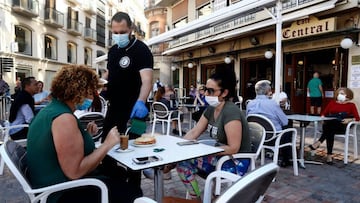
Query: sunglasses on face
{"x": 211, "y": 91}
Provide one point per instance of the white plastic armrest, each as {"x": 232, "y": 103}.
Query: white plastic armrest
{"x": 144, "y": 200}
{"x": 46, "y": 191}
{"x": 282, "y": 133}
{"x": 217, "y": 174}
{"x": 224, "y": 158}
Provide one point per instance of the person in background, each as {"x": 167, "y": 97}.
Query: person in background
{"x": 200, "y": 102}
{"x": 17, "y": 88}
{"x": 42, "y": 97}
{"x": 130, "y": 65}
{"x": 160, "y": 97}
{"x": 315, "y": 90}
{"x": 345, "y": 111}
{"x": 156, "y": 85}
{"x": 171, "y": 96}
{"x": 57, "y": 154}
{"x": 225, "y": 123}
{"x": 22, "y": 110}
{"x": 281, "y": 99}
{"x": 4, "y": 87}
{"x": 267, "y": 107}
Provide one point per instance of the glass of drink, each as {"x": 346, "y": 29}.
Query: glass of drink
{"x": 124, "y": 142}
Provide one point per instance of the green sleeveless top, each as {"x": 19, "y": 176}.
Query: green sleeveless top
{"x": 44, "y": 168}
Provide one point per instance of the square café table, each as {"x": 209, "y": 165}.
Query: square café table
{"x": 173, "y": 153}
{"x": 302, "y": 119}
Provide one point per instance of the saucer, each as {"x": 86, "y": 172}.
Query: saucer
{"x": 129, "y": 149}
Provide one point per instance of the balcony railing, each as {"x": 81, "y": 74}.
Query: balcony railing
{"x": 29, "y": 8}
{"x": 90, "y": 34}
{"x": 90, "y": 7}
{"x": 74, "y": 27}
{"x": 54, "y": 18}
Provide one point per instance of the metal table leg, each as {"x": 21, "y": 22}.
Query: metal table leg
{"x": 158, "y": 184}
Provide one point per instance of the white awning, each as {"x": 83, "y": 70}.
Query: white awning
{"x": 285, "y": 18}
{"x": 265, "y": 23}
{"x": 217, "y": 17}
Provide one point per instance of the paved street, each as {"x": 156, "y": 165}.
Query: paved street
{"x": 316, "y": 183}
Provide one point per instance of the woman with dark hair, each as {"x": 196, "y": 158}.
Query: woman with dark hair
{"x": 225, "y": 123}
{"x": 345, "y": 111}
{"x": 59, "y": 150}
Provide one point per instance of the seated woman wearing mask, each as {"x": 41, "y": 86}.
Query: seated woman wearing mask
{"x": 59, "y": 150}
{"x": 344, "y": 111}
{"x": 225, "y": 123}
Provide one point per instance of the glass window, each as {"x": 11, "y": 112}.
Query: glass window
{"x": 204, "y": 11}
{"x": 87, "y": 56}
{"x": 50, "y": 47}
{"x": 71, "y": 52}
{"x": 154, "y": 26}
{"x": 23, "y": 38}
{"x": 181, "y": 23}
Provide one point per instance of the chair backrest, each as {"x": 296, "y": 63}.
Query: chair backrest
{"x": 251, "y": 186}
{"x": 160, "y": 110}
{"x": 257, "y": 137}
{"x": 97, "y": 117}
{"x": 14, "y": 156}
{"x": 266, "y": 123}
{"x": 104, "y": 105}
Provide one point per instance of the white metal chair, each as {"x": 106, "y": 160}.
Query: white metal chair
{"x": 6, "y": 136}
{"x": 14, "y": 156}
{"x": 98, "y": 118}
{"x": 248, "y": 189}
{"x": 273, "y": 137}
{"x": 163, "y": 114}
{"x": 350, "y": 132}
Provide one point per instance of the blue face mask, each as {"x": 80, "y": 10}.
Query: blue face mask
{"x": 85, "y": 105}
{"x": 122, "y": 40}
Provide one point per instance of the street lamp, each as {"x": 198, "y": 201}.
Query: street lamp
{"x": 346, "y": 43}
{"x": 268, "y": 54}
{"x": 227, "y": 60}
{"x": 190, "y": 65}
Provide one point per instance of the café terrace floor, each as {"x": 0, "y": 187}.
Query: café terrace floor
{"x": 316, "y": 183}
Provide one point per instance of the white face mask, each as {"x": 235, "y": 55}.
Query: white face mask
{"x": 341, "y": 97}
{"x": 212, "y": 100}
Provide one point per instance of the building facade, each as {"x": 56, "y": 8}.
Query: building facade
{"x": 39, "y": 36}
{"x": 204, "y": 33}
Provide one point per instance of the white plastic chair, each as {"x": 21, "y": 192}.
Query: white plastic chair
{"x": 162, "y": 114}
{"x": 257, "y": 137}
{"x": 275, "y": 136}
{"x": 14, "y": 156}
{"x": 5, "y": 131}
{"x": 98, "y": 118}
{"x": 350, "y": 132}
{"x": 104, "y": 105}
{"x": 241, "y": 99}
{"x": 248, "y": 189}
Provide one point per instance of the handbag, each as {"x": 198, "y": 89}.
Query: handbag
{"x": 236, "y": 166}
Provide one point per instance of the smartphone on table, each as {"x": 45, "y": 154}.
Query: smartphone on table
{"x": 146, "y": 159}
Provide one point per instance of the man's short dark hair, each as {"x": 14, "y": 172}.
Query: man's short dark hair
{"x": 26, "y": 81}
{"x": 120, "y": 16}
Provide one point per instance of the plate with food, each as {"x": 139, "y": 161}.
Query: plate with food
{"x": 144, "y": 141}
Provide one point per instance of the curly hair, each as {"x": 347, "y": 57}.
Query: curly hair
{"x": 73, "y": 83}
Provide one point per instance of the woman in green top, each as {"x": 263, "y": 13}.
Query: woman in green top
{"x": 225, "y": 123}
{"x": 59, "y": 149}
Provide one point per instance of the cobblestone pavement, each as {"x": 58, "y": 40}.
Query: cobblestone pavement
{"x": 316, "y": 183}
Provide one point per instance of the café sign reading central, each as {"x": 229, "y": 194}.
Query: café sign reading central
{"x": 308, "y": 27}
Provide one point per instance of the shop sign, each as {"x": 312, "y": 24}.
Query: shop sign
{"x": 308, "y": 27}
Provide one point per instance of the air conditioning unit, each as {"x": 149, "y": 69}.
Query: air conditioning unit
{"x": 14, "y": 47}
